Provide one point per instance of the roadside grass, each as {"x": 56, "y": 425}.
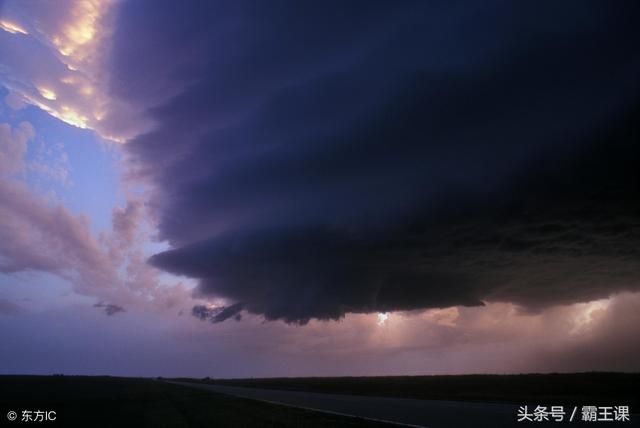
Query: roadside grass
{"x": 592, "y": 388}
{"x": 94, "y": 401}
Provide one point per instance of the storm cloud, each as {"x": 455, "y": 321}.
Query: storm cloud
{"x": 311, "y": 160}
{"x": 219, "y": 314}
{"x": 109, "y": 308}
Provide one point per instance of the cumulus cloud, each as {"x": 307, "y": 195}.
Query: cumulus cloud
{"x": 50, "y": 164}
{"x": 40, "y": 235}
{"x": 13, "y": 146}
{"x": 126, "y": 222}
{"x": 316, "y": 160}
{"x": 14, "y": 101}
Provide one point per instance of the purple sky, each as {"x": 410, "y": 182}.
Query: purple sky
{"x": 286, "y": 188}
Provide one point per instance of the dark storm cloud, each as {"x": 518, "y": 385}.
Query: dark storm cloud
{"x": 216, "y": 315}
{"x": 313, "y": 159}
{"x": 109, "y": 308}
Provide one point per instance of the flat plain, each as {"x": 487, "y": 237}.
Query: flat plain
{"x": 104, "y": 401}
{"x": 589, "y": 388}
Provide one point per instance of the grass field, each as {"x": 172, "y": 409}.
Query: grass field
{"x": 575, "y": 388}
{"x": 114, "y": 402}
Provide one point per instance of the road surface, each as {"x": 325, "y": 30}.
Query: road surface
{"x": 420, "y": 413}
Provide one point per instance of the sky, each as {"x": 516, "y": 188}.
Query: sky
{"x": 285, "y": 188}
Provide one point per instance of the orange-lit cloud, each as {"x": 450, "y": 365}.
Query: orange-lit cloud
{"x": 67, "y": 77}
{"x": 81, "y": 29}
{"x": 47, "y": 93}
{"x": 498, "y": 338}
{"x": 12, "y": 27}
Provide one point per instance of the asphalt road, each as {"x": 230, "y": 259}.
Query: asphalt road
{"x": 422, "y": 413}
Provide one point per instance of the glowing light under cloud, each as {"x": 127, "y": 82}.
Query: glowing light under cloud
{"x": 382, "y": 318}
{"x": 588, "y": 313}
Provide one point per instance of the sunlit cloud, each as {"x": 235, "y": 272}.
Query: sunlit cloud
{"x": 81, "y": 29}
{"x": 47, "y": 93}
{"x": 69, "y": 80}
{"x": 62, "y": 112}
{"x": 12, "y": 27}
{"x": 588, "y": 313}
{"x": 67, "y": 77}
{"x": 446, "y": 317}
{"x": 87, "y": 90}
{"x": 72, "y": 117}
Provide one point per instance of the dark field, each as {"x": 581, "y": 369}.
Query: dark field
{"x": 553, "y": 389}
{"x": 113, "y": 402}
